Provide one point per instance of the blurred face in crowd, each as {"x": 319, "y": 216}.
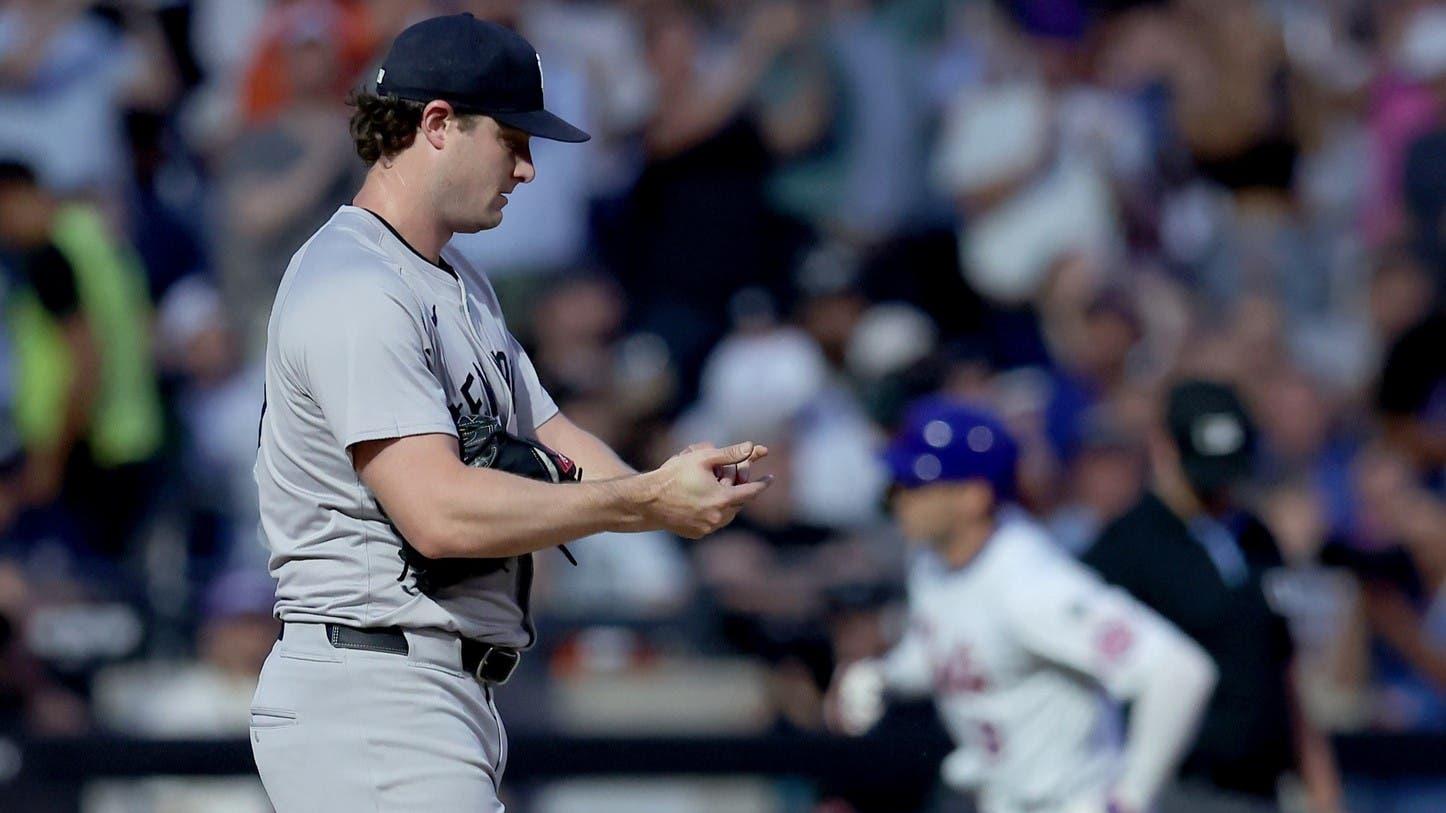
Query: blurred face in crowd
{"x": 672, "y": 43}
{"x": 313, "y": 69}
{"x": 580, "y": 312}
{"x": 505, "y": 12}
{"x": 475, "y": 165}
{"x": 1400, "y": 296}
{"x": 1110, "y": 336}
{"x": 1297, "y": 519}
{"x": 831, "y": 320}
{"x": 935, "y": 513}
{"x": 25, "y": 215}
{"x": 1108, "y": 480}
{"x": 1293, "y": 417}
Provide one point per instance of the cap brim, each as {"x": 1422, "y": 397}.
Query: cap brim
{"x": 542, "y": 124}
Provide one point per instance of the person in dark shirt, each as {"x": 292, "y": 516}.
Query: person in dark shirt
{"x": 1190, "y": 552}
{"x": 1411, "y": 397}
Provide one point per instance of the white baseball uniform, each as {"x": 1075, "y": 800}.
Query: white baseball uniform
{"x": 1026, "y": 651}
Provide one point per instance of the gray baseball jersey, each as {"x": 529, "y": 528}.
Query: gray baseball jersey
{"x": 369, "y": 340}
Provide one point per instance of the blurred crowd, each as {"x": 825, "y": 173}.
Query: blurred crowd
{"x": 794, "y": 217}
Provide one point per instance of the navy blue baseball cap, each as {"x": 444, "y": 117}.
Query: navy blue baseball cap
{"x": 943, "y": 440}
{"x": 477, "y": 66}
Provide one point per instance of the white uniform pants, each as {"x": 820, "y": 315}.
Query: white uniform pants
{"x": 349, "y": 730}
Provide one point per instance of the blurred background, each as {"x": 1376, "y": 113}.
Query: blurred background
{"x": 794, "y": 217}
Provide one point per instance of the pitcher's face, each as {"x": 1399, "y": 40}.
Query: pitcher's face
{"x": 481, "y": 166}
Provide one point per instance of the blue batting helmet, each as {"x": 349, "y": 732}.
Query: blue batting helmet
{"x": 945, "y": 440}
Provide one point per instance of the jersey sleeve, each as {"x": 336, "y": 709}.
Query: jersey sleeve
{"x": 906, "y": 667}
{"x": 365, "y": 358}
{"x": 532, "y": 398}
{"x": 1069, "y": 616}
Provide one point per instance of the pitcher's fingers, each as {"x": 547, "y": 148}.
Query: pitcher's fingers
{"x": 692, "y": 447}
{"x": 739, "y": 495}
{"x": 737, "y": 453}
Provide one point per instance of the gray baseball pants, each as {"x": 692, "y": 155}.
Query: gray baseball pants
{"x": 351, "y": 730}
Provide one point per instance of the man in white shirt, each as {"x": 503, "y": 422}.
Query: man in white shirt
{"x": 1027, "y": 654}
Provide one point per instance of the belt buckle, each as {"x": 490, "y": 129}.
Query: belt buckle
{"x": 510, "y": 656}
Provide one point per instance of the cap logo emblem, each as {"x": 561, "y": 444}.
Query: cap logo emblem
{"x": 938, "y": 434}
{"x": 928, "y": 468}
{"x": 381, "y": 74}
{"x": 1218, "y": 435}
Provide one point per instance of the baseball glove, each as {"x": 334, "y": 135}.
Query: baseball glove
{"x": 484, "y": 444}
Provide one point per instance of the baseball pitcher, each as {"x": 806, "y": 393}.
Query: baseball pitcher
{"x": 411, "y": 464}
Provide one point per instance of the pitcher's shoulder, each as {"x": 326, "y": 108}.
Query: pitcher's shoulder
{"x": 342, "y": 284}
{"x": 345, "y": 253}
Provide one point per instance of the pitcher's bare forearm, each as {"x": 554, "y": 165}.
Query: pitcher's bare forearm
{"x": 444, "y": 508}
{"x": 489, "y": 513}
{"x": 596, "y": 459}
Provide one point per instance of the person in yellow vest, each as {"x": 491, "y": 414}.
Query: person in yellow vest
{"x": 87, "y": 405}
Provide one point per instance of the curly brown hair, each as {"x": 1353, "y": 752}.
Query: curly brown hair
{"x": 383, "y": 126}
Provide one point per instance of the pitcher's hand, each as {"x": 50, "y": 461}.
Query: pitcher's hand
{"x": 691, "y": 495}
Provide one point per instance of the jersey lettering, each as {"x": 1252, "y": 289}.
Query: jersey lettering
{"x": 990, "y": 739}
{"x": 959, "y": 673}
{"x": 487, "y": 390}
{"x": 478, "y": 397}
{"x": 474, "y": 406}
{"x": 504, "y": 368}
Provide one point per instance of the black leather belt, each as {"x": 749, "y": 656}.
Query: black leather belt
{"x": 486, "y": 662}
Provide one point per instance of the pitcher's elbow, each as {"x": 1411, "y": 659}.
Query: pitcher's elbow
{"x": 434, "y": 540}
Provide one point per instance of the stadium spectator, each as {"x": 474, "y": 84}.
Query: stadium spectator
{"x": 700, "y": 201}
{"x": 1408, "y": 396}
{"x": 216, "y": 402}
{"x": 1397, "y": 550}
{"x": 1422, "y": 61}
{"x": 66, "y": 76}
{"x": 1103, "y": 479}
{"x": 1323, "y": 603}
{"x": 164, "y": 205}
{"x": 285, "y": 174}
{"x": 273, "y": 81}
{"x": 88, "y": 406}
